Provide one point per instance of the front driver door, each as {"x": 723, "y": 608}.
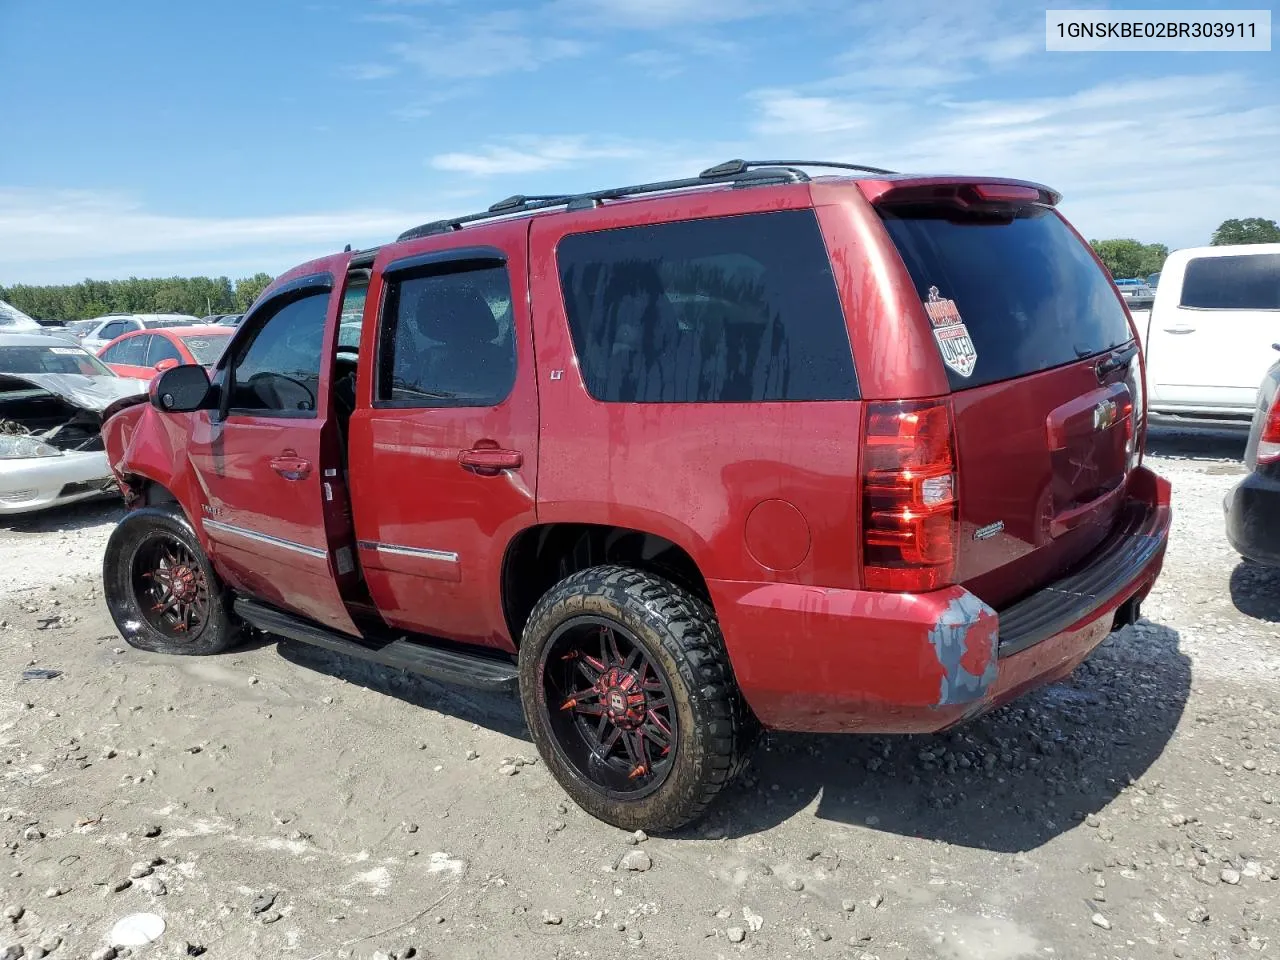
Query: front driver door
{"x": 268, "y": 457}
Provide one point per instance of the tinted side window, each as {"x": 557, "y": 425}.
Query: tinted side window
{"x": 161, "y": 349}
{"x": 279, "y": 370}
{"x": 724, "y": 310}
{"x": 132, "y": 351}
{"x": 447, "y": 340}
{"x": 114, "y": 329}
{"x": 1249, "y": 282}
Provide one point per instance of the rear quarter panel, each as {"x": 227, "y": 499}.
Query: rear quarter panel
{"x": 693, "y": 472}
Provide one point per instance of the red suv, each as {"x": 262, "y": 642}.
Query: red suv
{"x": 857, "y": 452}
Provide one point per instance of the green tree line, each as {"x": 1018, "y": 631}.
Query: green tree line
{"x": 198, "y": 296}
{"x": 1132, "y": 258}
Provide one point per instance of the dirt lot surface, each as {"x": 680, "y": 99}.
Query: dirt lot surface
{"x": 279, "y": 802}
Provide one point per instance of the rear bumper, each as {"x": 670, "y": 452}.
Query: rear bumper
{"x": 826, "y": 660}
{"x": 1253, "y": 518}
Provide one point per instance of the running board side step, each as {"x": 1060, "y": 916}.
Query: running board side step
{"x": 453, "y": 664}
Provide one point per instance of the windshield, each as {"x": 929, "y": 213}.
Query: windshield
{"x": 206, "y": 348}
{"x": 51, "y": 359}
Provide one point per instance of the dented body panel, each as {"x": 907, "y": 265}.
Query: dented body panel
{"x": 820, "y": 659}
{"x": 65, "y": 412}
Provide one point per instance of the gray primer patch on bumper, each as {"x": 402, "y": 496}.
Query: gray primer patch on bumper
{"x": 950, "y": 639}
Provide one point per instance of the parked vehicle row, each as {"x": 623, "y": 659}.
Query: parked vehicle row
{"x": 841, "y": 453}
{"x": 52, "y": 396}
{"x": 143, "y": 353}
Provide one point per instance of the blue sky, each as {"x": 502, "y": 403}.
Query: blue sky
{"x": 157, "y": 138}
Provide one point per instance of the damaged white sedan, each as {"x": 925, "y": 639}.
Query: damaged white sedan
{"x": 52, "y": 395}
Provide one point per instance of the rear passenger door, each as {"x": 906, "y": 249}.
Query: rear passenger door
{"x": 444, "y": 440}
{"x": 128, "y": 357}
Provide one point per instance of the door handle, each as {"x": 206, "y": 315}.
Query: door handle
{"x": 489, "y": 461}
{"x": 291, "y": 466}
{"x": 1179, "y": 329}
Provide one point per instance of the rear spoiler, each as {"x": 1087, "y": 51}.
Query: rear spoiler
{"x": 965, "y": 192}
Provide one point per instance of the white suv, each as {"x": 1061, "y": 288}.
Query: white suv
{"x": 1210, "y": 329}
{"x": 105, "y": 329}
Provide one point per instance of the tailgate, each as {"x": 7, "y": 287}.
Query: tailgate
{"x": 1044, "y": 380}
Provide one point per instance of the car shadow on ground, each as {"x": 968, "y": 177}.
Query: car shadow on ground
{"x": 1191, "y": 442}
{"x": 496, "y": 711}
{"x": 68, "y": 519}
{"x": 1008, "y": 782}
{"x": 1255, "y": 591}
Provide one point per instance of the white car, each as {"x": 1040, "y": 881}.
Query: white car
{"x": 100, "y": 331}
{"x": 1209, "y": 331}
{"x": 13, "y": 320}
{"x": 52, "y": 395}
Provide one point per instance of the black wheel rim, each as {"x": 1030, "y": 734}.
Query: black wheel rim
{"x": 609, "y": 707}
{"x": 170, "y": 587}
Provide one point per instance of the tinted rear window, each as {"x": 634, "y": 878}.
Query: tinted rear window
{"x": 1030, "y": 294}
{"x": 1249, "y": 282}
{"x": 730, "y": 309}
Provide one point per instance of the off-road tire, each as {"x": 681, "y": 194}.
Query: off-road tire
{"x": 680, "y": 633}
{"x": 219, "y": 631}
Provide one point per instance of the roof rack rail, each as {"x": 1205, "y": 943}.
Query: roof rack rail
{"x": 735, "y": 167}
{"x": 739, "y": 173}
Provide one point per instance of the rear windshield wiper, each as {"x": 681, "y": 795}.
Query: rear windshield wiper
{"x": 1117, "y": 361}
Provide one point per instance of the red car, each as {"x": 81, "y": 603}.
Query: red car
{"x": 143, "y": 353}
{"x": 853, "y": 453}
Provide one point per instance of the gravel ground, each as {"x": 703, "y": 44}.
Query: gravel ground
{"x": 281, "y": 802}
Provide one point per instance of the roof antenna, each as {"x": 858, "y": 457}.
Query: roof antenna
{"x": 347, "y": 248}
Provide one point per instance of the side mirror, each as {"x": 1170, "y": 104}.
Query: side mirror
{"x": 167, "y": 364}
{"x": 180, "y": 389}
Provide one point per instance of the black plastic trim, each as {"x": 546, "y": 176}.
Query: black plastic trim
{"x": 312, "y": 281}
{"x": 363, "y": 258}
{"x": 476, "y": 256}
{"x": 1056, "y": 607}
{"x": 481, "y": 669}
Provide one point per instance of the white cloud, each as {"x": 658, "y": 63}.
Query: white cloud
{"x": 530, "y": 154}
{"x": 369, "y": 71}
{"x": 493, "y": 44}
{"x": 905, "y": 44}
{"x": 660, "y": 64}
{"x": 1161, "y": 159}
{"x": 62, "y": 236}
{"x": 792, "y": 114}
{"x": 661, "y": 14}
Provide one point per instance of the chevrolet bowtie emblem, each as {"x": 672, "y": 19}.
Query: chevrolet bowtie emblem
{"x": 1104, "y": 415}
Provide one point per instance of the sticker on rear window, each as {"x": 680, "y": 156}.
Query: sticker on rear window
{"x": 954, "y": 342}
{"x": 66, "y": 351}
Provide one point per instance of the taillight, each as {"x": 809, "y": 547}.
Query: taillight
{"x": 1269, "y": 442}
{"x": 1133, "y": 445}
{"x": 909, "y": 509}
